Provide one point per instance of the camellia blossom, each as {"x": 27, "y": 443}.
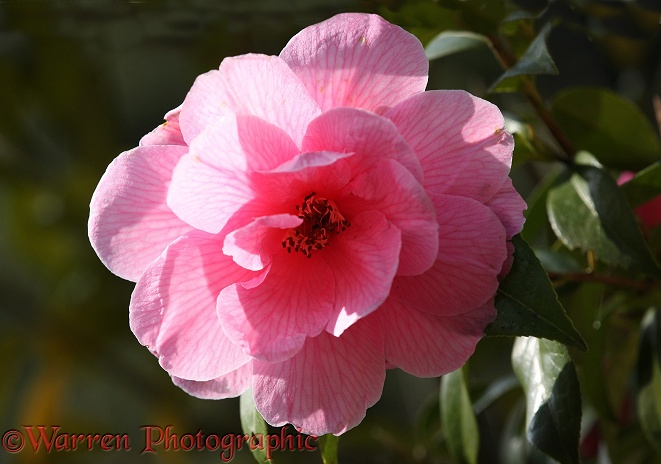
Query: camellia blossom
{"x": 303, "y": 222}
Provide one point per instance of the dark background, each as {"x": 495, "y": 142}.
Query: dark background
{"x": 81, "y": 82}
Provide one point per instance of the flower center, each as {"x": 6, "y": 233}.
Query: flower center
{"x": 320, "y": 218}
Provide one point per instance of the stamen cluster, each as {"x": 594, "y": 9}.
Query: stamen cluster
{"x": 320, "y": 218}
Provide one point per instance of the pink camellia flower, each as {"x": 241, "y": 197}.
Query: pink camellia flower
{"x": 303, "y": 222}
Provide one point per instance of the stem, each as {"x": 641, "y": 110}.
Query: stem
{"x": 561, "y": 277}
{"x": 328, "y": 444}
{"x": 507, "y": 61}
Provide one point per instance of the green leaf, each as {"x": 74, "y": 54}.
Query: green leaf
{"x": 537, "y": 222}
{"x": 535, "y": 60}
{"x": 481, "y": 16}
{"x": 253, "y": 423}
{"x": 649, "y": 396}
{"x": 328, "y": 444}
{"x": 644, "y": 186}
{"x": 527, "y": 303}
{"x": 494, "y": 391}
{"x": 449, "y": 42}
{"x": 608, "y": 126}
{"x": 553, "y": 397}
{"x": 588, "y": 211}
{"x": 458, "y": 419}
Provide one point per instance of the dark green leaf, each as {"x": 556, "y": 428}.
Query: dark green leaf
{"x": 449, "y": 42}
{"x": 528, "y": 305}
{"x": 537, "y": 221}
{"x": 458, "y": 419}
{"x": 644, "y": 186}
{"x": 553, "y": 397}
{"x": 608, "y": 126}
{"x": 482, "y": 16}
{"x": 649, "y": 396}
{"x": 589, "y": 212}
{"x": 328, "y": 444}
{"x": 495, "y": 390}
{"x": 253, "y": 423}
{"x": 519, "y": 15}
{"x": 535, "y": 60}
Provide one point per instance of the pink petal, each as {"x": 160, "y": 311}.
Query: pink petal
{"x": 370, "y": 137}
{"x": 321, "y": 172}
{"x": 130, "y": 224}
{"x": 429, "y": 346}
{"x": 328, "y": 385}
{"x": 229, "y": 385}
{"x": 508, "y": 206}
{"x": 270, "y": 321}
{"x": 459, "y": 139}
{"x": 251, "y": 246}
{"x": 471, "y": 252}
{"x": 168, "y": 133}
{"x": 212, "y": 182}
{"x": 364, "y": 261}
{"x": 357, "y": 60}
{"x": 507, "y": 265}
{"x": 173, "y": 308}
{"x": 257, "y": 85}
{"x": 391, "y": 189}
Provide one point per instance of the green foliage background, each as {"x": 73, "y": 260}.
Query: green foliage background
{"x": 82, "y": 81}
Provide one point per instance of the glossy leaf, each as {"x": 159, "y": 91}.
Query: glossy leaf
{"x": 608, "y": 126}
{"x": 253, "y": 423}
{"x": 537, "y": 221}
{"x": 553, "y": 398}
{"x": 527, "y": 304}
{"x": 644, "y": 186}
{"x": 494, "y": 391}
{"x": 449, "y": 42}
{"x": 589, "y": 212}
{"x": 649, "y": 396}
{"x": 535, "y": 60}
{"x": 458, "y": 418}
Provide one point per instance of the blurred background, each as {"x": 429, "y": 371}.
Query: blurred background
{"x": 81, "y": 82}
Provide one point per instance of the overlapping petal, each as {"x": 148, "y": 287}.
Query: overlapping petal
{"x": 251, "y": 246}
{"x": 271, "y": 321}
{"x": 259, "y": 85}
{"x": 464, "y": 150}
{"x": 323, "y": 172}
{"x": 364, "y": 261}
{"x": 130, "y": 223}
{"x": 212, "y": 183}
{"x": 359, "y": 61}
{"x": 172, "y": 309}
{"x": 168, "y": 133}
{"x": 426, "y": 345}
{"x": 508, "y": 206}
{"x": 370, "y": 137}
{"x": 471, "y": 253}
{"x": 230, "y": 385}
{"x": 391, "y": 189}
{"x": 328, "y": 385}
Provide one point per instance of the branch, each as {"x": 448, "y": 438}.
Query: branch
{"x": 508, "y": 60}
{"x": 559, "y": 278}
